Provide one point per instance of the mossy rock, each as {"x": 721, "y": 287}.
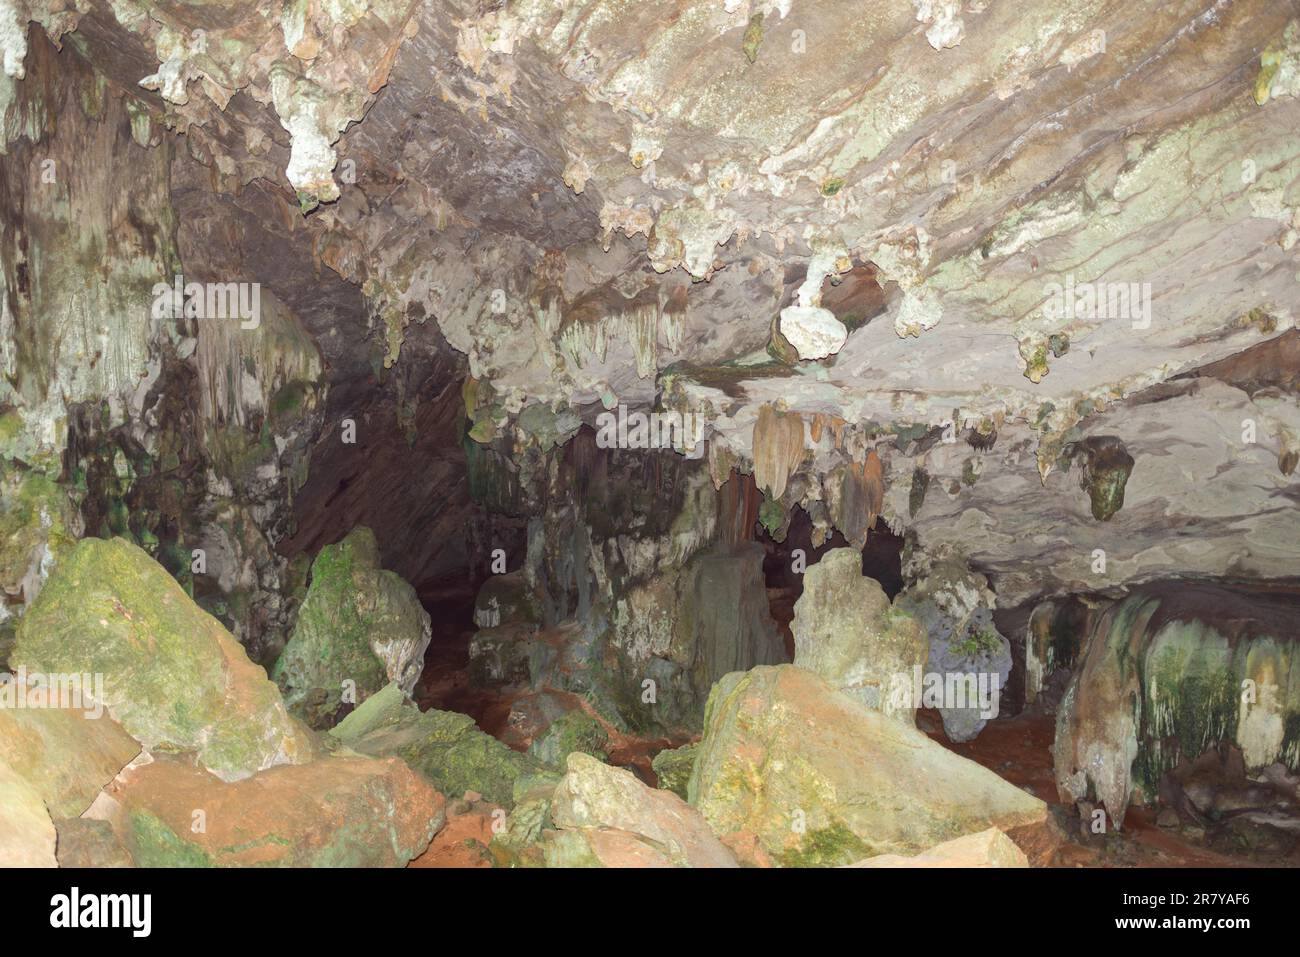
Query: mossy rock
{"x": 340, "y": 811}
{"x": 816, "y": 779}
{"x": 447, "y": 748}
{"x": 673, "y": 766}
{"x": 359, "y": 628}
{"x": 575, "y": 731}
{"x": 38, "y": 526}
{"x": 173, "y": 677}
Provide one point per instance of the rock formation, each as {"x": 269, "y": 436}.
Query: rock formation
{"x": 682, "y": 433}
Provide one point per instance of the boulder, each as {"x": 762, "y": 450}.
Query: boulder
{"x": 89, "y": 842}
{"x": 684, "y": 630}
{"x": 573, "y": 732}
{"x": 68, "y": 754}
{"x": 340, "y": 811}
{"x": 607, "y": 817}
{"x": 38, "y": 525}
{"x": 27, "y": 835}
{"x": 446, "y": 748}
{"x": 673, "y": 767}
{"x": 990, "y": 848}
{"x": 969, "y": 659}
{"x": 815, "y": 778}
{"x": 846, "y": 631}
{"x": 358, "y": 624}
{"x": 172, "y": 676}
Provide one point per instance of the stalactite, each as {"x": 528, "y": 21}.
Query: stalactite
{"x": 859, "y": 497}
{"x": 738, "y": 506}
{"x": 778, "y": 448}
{"x": 642, "y": 326}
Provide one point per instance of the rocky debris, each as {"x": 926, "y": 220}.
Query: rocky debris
{"x": 813, "y": 778}
{"x": 846, "y": 631}
{"x": 673, "y": 766}
{"x": 518, "y": 843}
{"x": 683, "y": 631}
{"x": 969, "y": 659}
{"x": 573, "y": 732}
{"x": 1169, "y": 673}
{"x": 339, "y": 811}
{"x": 90, "y": 842}
{"x": 465, "y": 840}
{"x": 359, "y": 629}
{"x": 989, "y": 848}
{"x": 67, "y": 753}
{"x": 607, "y": 818}
{"x": 172, "y": 676}
{"x": 27, "y": 835}
{"x": 38, "y": 524}
{"x": 445, "y": 747}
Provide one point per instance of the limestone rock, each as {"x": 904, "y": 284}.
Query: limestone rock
{"x": 685, "y": 631}
{"x": 172, "y": 676}
{"x": 814, "y": 332}
{"x": 506, "y": 598}
{"x": 446, "y": 748}
{"x": 359, "y": 623}
{"x": 817, "y": 779}
{"x": 969, "y": 659}
{"x": 674, "y": 767}
{"x": 1168, "y": 673}
{"x": 27, "y": 836}
{"x": 38, "y": 523}
{"x": 574, "y": 732}
{"x": 989, "y": 848}
{"x": 624, "y": 823}
{"x": 846, "y": 631}
{"x": 67, "y": 754}
{"x": 90, "y": 842}
{"x": 340, "y": 811}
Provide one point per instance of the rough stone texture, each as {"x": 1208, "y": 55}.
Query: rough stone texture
{"x": 573, "y": 732}
{"x": 445, "y": 747}
{"x": 673, "y": 766}
{"x": 27, "y": 836}
{"x": 623, "y": 823}
{"x": 686, "y": 631}
{"x": 624, "y": 200}
{"x": 846, "y": 631}
{"x": 966, "y": 651}
{"x": 340, "y": 811}
{"x": 173, "y": 677}
{"x": 817, "y": 779}
{"x": 358, "y": 624}
{"x": 89, "y": 842}
{"x": 1167, "y": 674}
{"x": 67, "y": 754}
{"x": 989, "y": 848}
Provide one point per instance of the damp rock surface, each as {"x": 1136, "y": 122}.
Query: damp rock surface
{"x": 847, "y": 632}
{"x": 340, "y": 811}
{"x": 782, "y": 748}
{"x": 360, "y": 627}
{"x": 172, "y": 676}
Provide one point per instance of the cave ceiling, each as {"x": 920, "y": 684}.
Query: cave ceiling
{"x": 867, "y": 214}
